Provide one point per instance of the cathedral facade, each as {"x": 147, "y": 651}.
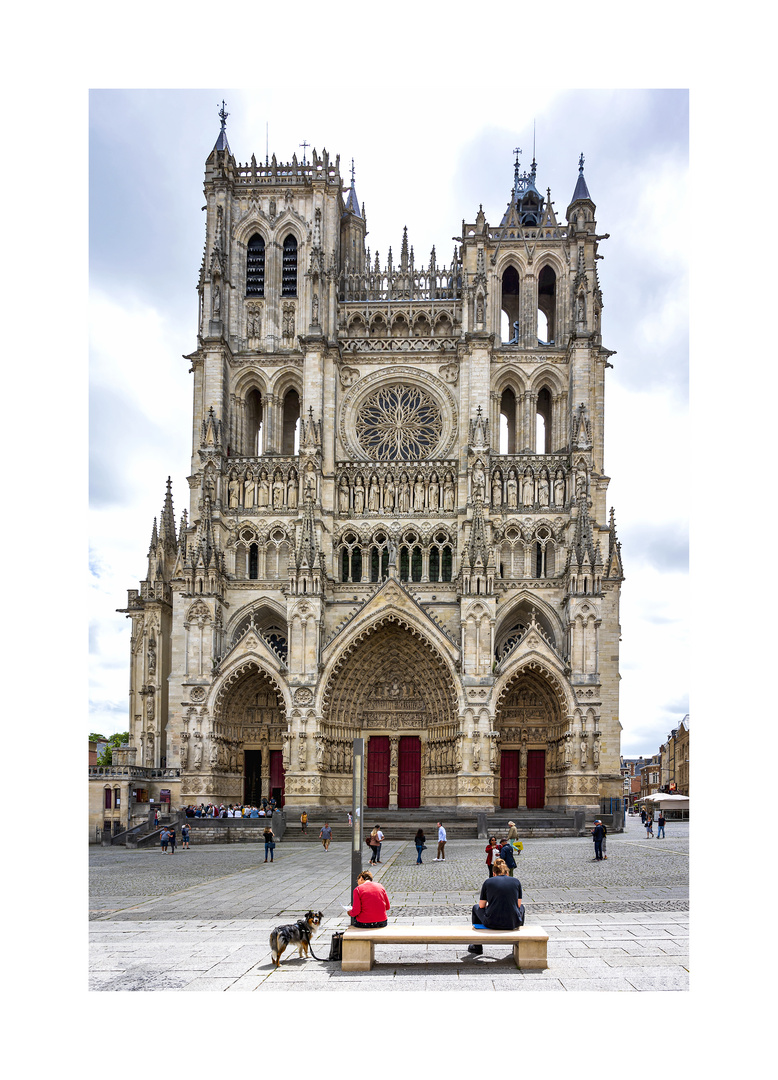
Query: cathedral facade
{"x": 397, "y": 525}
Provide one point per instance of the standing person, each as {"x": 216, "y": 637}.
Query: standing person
{"x": 380, "y": 838}
{"x": 418, "y": 840}
{"x": 492, "y": 849}
{"x": 441, "y": 855}
{"x": 597, "y": 835}
{"x": 649, "y": 826}
{"x": 498, "y": 906}
{"x": 164, "y": 838}
{"x": 172, "y": 839}
{"x": 506, "y": 854}
{"x": 350, "y": 819}
{"x": 643, "y": 814}
{"x": 373, "y": 844}
{"x": 185, "y": 837}
{"x": 370, "y": 903}
{"x": 326, "y": 835}
{"x": 270, "y": 841}
{"x": 513, "y": 832}
{"x": 660, "y": 832}
{"x": 304, "y": 821}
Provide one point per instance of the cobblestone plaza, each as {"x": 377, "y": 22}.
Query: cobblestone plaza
{"x": 200, "y": 919}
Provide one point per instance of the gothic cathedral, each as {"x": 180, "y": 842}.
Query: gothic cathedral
{"x": 397, "y": 525}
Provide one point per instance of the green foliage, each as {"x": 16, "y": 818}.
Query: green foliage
{"x": 114, "y": 742}
{"x": 96, "y": 738}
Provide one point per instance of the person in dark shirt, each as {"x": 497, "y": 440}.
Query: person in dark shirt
{"x": 498, "y": 906}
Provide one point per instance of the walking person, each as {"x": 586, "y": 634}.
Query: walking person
{"x": 441, "y": 855}
{"x": 660, "y": 832}
{"x": 418, "y": 840}
{"x": 185, "y": 837}
{"x": 372, "y": 841}
{"x": 304, "y": 822}
{"x": 326, "y": 835}
{"x": 492, "y": 850}
{"x": 172, "y": 839}
{"x": 507, "y": 856}
{"x": 164, "y": 838}
{"x": 649, "y": 826}
{"x": 270, "y": 842}
{"x": 597, "y": 835}
{"x": 380, "y": 838}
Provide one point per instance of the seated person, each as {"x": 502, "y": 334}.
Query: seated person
{"x": 498, "y": 907}
{"x": 370, "y": 903}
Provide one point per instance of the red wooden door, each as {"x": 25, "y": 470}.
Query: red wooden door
{"x": 509, "y": 778}
{"x": 536, "y": 779}
{"x": 277, "y": 776}
{"x": 378, "y": 771}
{"x": 409, "y": 771}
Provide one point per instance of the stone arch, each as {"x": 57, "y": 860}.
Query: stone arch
{"x": 520, "y": 612}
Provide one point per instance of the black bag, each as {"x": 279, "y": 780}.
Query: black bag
{"x": 521, "y": 914}
{"x": 336, "y": 946}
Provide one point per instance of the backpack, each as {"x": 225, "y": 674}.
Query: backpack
{"x": 336, "y": 946}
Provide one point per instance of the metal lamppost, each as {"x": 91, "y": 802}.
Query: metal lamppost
{"x": 356, "y": 811}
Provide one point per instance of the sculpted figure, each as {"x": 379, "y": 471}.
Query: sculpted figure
{"x": 359, "y": 496}
{"x": 418, "y": 493}
{"x": 512, "y": 490}
{"x": 405, "y": 494}
{"x": 198, "y": 754}
{"x": 264, "y": 489}
{"x": 528, "y": 489}
{"x": 479, "y": 480}
{"x": 373, "y": 495}
{"x": 291, "y": 490}
{"x": 248, "y": 491}
{"x": 496, "y": 490}
{"x": 234, "y": 491}
{"x": 583, "y": 751}
{"x": 279, "y": 487}
{"x": 216, "y": 301}
{"x": 559, "y": 488}
{"x": 213, "y": 757}
{"x": 391, "y": 547}
{"x": 152, "y": 655}
{"x": 184, "y": 753}
{"x": 343, "y": 494}
{"x": 433, "y": 495}
{"x": 543, "y": 489}
{"x": 389, "y": 494}
{"x": 568, "y": 751}
{"x": 477, "y": 757}
{"x": 310, "y": 482}
{"x": 448, "y": 492}
{"x": 596, "y": 752}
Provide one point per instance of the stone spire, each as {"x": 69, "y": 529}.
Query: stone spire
{"x": 221, "y": 142}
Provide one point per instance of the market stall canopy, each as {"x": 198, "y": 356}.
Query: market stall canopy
{"x": 659, "y": 797}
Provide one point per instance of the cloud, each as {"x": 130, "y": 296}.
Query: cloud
{"x": 662, "y": 546}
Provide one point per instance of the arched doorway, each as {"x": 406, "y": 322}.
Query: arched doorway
{"x": 395, "y": 691}
{"x": 248, "y": 735}
{"x": 528, "y": 720}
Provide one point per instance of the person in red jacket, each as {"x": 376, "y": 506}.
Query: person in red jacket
{"x": 370, "y": 903}
{"x": 492, "y": 850}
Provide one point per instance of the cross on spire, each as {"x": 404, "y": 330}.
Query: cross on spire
{"x": 352, "y": 171}
{"x": 223, "y": 114}
{"x": 581, "y": 163}
{"x": 305, "y": 146}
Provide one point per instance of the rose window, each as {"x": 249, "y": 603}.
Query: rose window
{"x": 399, "y": 423}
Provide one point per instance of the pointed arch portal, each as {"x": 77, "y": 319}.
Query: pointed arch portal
{"x": 249, "y": 727}
{"x": 529, "y": 717}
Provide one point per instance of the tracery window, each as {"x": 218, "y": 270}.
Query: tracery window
{"x": 399, "y": 423}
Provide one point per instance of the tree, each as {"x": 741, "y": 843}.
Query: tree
{"x": 114, "y": 742}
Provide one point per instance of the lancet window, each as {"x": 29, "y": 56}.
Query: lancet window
{"x": 255, "y": 266}
{"x": 289, "y": 267}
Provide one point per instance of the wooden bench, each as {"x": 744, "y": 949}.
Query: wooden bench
{"x": 529, "y": 942}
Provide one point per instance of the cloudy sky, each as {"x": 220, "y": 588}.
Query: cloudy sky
{"x": 426, "y": 167}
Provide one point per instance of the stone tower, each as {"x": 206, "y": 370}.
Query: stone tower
{"x": 397, "y": 524}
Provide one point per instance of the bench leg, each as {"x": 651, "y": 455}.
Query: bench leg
{"x": 357, "y": 955}
{"x": 531, "y": 955}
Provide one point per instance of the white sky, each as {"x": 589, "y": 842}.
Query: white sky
{"x": 147, "y": 152}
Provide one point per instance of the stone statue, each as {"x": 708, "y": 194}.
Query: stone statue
{"x": 301, "y": 752}
{"x": 234, "y": 491}
{"x": 343, "y": 494}
{"x": 184, "y": 752}
{"x": 433, "y": 493}
{"x": 264, "y": 490}
{"x": 315, "y": 309}
{"x": 543, "y": 489}
{"x": 568, "y": 750}
{"x": 559, "y": 488}
{"x": 479, "y": 480}
{"x": 391, "y": 548}
{"x": 418, "y": 493}
{"x": 405, "y": 494}
{"x": 216, "y": 301}
{"x": 496, "y": 490}
{"x": 279, "y": 489}
{"x": 150, "y": 707}
{"x": 248, "y": 491}
{"x": 389, "y": 494}
{"x": 448, "y": 493}
{"x": 291, "y": 490}
{"x": 198, "y": 754}
{"x": 359, "y": 496}
{"x": 583, "y": 752}
{"x": 373, "y": 495}
{"x": 214, "y": 754}
{"x": 596, "y": 752}
{"x": 512, "y": 490}
{"x": 528, "y": 489}
{"x": 152, "y": 654}
{"x": 310, "y": 482}
{"x": 477, "y": 756}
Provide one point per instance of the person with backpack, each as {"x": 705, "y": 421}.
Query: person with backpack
{"x": 506, "y": 854}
